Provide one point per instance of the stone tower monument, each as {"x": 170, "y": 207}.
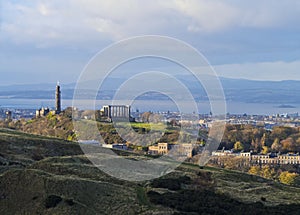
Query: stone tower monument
{"x": 57, "y": 99}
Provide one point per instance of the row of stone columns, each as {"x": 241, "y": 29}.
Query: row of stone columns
{"x": 119, "y": 111}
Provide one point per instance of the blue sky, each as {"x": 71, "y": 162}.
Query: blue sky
{"x": 42, "y": 41}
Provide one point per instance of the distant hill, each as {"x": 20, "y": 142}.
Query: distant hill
{"x": 239, "y": 90}
{"x": 42, "y": 175}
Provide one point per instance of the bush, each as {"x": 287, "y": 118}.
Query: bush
{"x": 171, "y": 183}
{"x": 288, "y": 178}
{"x": 70, "y": 202}
{"x": 37, "y": 156}
{"x": 52, "y": 201}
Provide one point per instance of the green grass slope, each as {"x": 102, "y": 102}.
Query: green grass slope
{"x": 41, "y": 175}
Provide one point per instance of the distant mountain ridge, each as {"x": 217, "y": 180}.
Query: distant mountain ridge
{"x": 238, "y": 90}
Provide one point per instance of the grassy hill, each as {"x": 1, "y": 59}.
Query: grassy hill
{"x": 42, "y": 175}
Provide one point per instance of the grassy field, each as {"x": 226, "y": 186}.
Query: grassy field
{"x": 42, "y": 175}
{"x": 149, "y": 126}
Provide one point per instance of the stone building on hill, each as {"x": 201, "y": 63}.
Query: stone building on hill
{"x": 44, "y": 111}
{"x": 111, "y": 112}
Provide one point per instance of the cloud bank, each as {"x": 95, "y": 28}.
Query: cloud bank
{"x": 256, "y": 39}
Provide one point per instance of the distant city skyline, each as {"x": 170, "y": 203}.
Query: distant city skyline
{"x": 43, "y": 40}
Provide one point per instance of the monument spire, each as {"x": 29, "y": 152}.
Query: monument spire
{"x": 57, "y": 99}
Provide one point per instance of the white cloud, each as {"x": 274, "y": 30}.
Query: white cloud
{"x": 207, "y": 15}
{"x": 44, "y": 10}
{"x": 216, "y": 15}
{"x": 55, "y": 22}
{"x": 63, "y": 22}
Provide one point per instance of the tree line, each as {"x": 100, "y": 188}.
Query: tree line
{"x": 258, "y": 139}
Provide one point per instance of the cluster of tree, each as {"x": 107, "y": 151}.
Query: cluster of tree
{"x": 285, "y": 177}
{"x": 285, "y": 174}
{"x": 264, "y": 171}
{"x": 260, "y": 140}
{"x": 288, "y": 177}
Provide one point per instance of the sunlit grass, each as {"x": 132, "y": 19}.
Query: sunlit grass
{"x": 149, "y": 126}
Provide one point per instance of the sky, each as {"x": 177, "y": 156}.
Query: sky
{"x": 45, "y": 41}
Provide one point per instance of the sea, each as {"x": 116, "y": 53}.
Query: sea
{"x": 154, "y": 106}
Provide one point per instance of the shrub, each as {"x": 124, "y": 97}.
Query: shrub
{"x": 52, "y": 201}
{"x": 288, "y": 178}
